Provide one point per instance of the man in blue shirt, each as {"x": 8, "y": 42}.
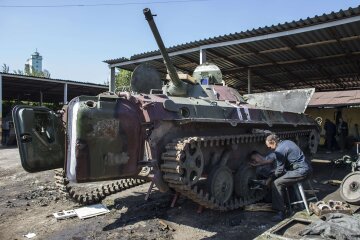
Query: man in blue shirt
{"x": 291, "y": 167}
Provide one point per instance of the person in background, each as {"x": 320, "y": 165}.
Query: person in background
{"x": 6, "y": 131}
{"x": 330, "y": 132}
{"x": 291, "y": 167}
{"x": 342, "y": 131}
{"x": 356, "y": 130}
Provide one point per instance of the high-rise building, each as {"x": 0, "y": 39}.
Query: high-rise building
{"x": 34, "y": 63}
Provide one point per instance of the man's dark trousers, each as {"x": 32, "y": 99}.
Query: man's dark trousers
{"x": 288, "y": 179}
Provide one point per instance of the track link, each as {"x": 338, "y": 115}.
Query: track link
{"x": 172, "y": 167}
{"x": 98, "y": 194}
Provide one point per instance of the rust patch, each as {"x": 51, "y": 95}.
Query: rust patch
{"x": 106, "y": 128}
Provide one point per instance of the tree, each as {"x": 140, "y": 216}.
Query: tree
{"x": 46, "y": 73}
{"x": 33, "y": 73}
{"x": 122, "y": 79}
{"x": 5, "y": 68}
{"x": 20, "y": 72}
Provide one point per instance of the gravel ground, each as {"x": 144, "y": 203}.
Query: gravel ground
{"x": 27, "y": 202}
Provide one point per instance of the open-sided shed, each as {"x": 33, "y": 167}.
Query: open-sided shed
{"x": 320, "y": 51}
{"x": 38, "y": 89}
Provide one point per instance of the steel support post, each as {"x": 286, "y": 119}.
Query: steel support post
{"x": 65, "y": 93}
{"x": 202, "y": 56}
{"x": 112, "y": 80}
{"x": 249, "y": 81}
{"x": 41, "y": 98}
{"x": 1, "y": 104}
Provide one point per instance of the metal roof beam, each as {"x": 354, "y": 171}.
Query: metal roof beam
{"x": 226, "y": 58}
{"x": 234, "y": 83}
{"x": 147, "y": 59}
{"x": 320, "y": 82}
{"x": 245, "y": 40}
{"x": 335, "y": 34}
{"x": 283, "y": 68}
{"x": 237, "y": 82}
{"x": 179, "y": 68}
{"x": 53, "y": 80}
{"x": 300, "y": 52}
{"x": 187, "y": 59}
{"x": 318, "y": 60}
{"x": 305, "y": 45}
{"x": 238, "y": 63}
{"x": 353, "y": 75}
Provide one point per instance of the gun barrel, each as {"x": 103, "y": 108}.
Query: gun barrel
{"x": 170, "y": 67}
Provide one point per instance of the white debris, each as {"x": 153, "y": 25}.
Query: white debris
{"x": 64, "y": 214}
{"x": 91, "y": 211}
{"x": 30, "y": 235}
{"x": 82, "y": 213}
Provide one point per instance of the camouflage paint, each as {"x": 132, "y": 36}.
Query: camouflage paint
{"x": 40, "y": 136}
{"x": 105, "y": 138}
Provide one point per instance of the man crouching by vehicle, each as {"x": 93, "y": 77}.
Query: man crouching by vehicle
{"x": 291, "y": 167}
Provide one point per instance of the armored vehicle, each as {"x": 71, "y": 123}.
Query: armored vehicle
{"x": 192, "y": 135}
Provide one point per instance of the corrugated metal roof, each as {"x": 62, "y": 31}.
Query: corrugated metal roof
{"x": 54, "y": 79}
{"x": 326, "y": 57}
{"x": 250, "y": 33}
{"x": 335, "y": 99}
{"x": 28, "y": 88}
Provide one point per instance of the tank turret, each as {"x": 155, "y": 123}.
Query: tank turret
{"x": 176, "y": 86}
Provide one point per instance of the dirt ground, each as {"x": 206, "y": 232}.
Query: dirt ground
{"x": 27, "y": 202}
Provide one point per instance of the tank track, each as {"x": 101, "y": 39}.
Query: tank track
{"x": 98, "y": 194}
{"x": 171, "y": 167}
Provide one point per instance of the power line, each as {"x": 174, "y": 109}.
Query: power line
{"x": 100, "y": 4}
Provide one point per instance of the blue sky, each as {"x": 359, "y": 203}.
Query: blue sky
{"x": 74, "y": 41}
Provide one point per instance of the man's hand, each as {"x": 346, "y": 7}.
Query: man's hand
{"x": 254, "y": 163}
{"x": 268, "y": 182}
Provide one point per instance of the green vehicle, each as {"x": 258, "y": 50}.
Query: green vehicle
{"x": 191, "y": 135}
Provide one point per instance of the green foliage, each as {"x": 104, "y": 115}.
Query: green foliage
{"x": 34, "y": 73}
{"x": 5, "y": 68}
{"x": 122, "y": 79}
{"x": 20, "y": 72}
{"x": 46, "y": 74}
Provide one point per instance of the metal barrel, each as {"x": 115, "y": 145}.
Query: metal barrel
{"x": 170, "y": 67}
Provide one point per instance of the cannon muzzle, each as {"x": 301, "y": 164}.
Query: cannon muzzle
{"x": 177, "y": 87}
